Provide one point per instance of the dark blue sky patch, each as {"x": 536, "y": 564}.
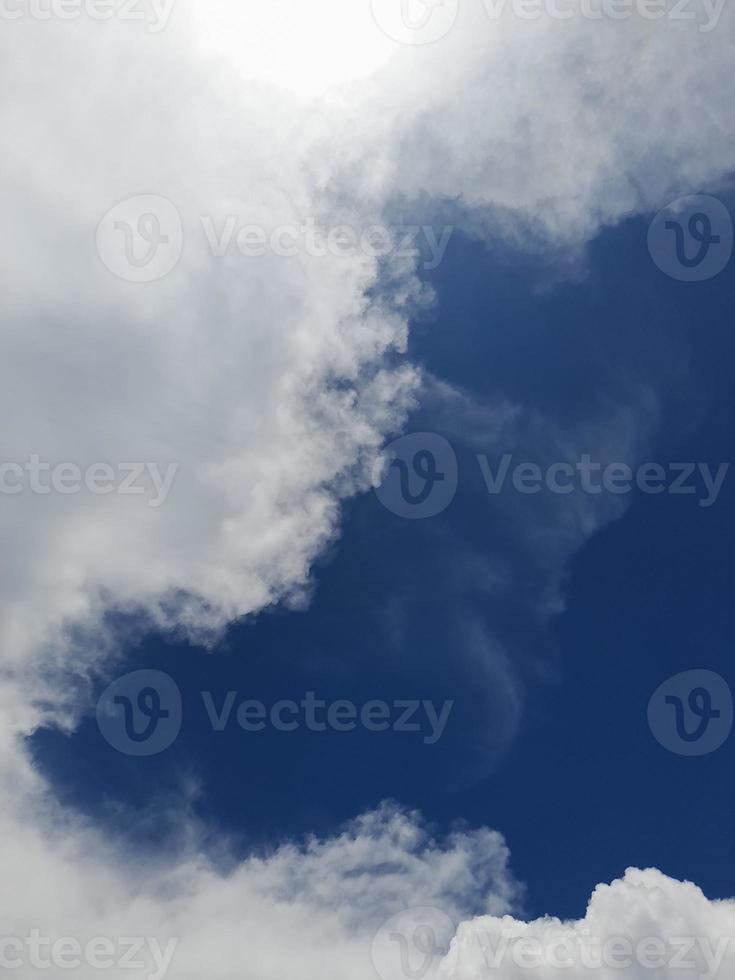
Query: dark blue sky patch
{"x": 547, "y": 738}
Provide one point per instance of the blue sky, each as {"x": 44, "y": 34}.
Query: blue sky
{"x": 367, "y": 489}
{"x": 572, "y": 776}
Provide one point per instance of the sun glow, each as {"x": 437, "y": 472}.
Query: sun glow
{"x": 304, "y": 46}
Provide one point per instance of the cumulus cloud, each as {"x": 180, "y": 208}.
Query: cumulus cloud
{"x": 270, "y": 383}
{"x": 304, "y": 910}
{"x": 544, "y": 130}
{"x": 265, "y": 386}
{"x": 321, "y": 909}
{"x": 643, "y": 925}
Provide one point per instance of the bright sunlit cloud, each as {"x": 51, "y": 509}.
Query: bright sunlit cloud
{"x": 303, "y": 47}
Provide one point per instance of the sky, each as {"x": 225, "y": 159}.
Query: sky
{"x": 367, "y": 490}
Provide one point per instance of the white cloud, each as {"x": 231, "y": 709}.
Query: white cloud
{"x": 264, "y": 380}
{"x": 644, "y": 925}
{"x": 269, "y": 381}
{"x": 305, "y": 911}
{"x": 545, "y": 130}
{"x": 313, "y": 910}
{"x": 272, "y": 382}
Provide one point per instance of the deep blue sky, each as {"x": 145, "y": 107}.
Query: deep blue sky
{"x": 581, "y": 789}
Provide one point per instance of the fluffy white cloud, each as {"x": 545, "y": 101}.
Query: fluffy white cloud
{"x": 265, "y": 380}
{"x": 305, "y": 911}
{"x": 643, "y": 925}
{"x": 546, "y": 130}
{"x": 320, "y": 909}
{"x": 271, "y": 382}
